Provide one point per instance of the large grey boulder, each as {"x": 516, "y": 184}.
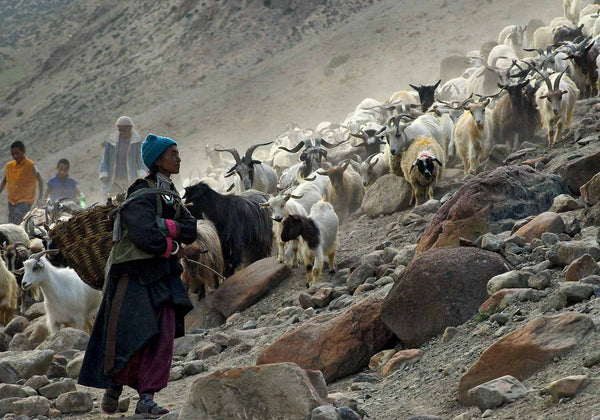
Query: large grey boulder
{"x": 387, "y": 195}
{"x": 66, "y": 339}
{"x": 24, "y": 364}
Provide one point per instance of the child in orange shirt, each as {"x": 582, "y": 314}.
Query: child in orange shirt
{"x": 19, "y": 179}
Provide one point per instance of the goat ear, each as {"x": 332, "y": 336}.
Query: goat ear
{"x": 413, "y": 166}
{"x": 296, "y": 197}
{"x": 321, "y": 172}
{"x": 414, "y": 87}
{"x": 437, "y": 84}
{"x": 264, "y": 205}
{"x": 189, "y": 206}
{"x": 438, "y": 162}
{"x": 345, "y": 165}
{"x": 19, "y": 271}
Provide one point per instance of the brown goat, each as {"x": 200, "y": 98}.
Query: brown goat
{"x": 346, "y": 190}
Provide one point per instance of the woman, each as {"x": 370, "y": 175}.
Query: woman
{"x": 144, "y": 302}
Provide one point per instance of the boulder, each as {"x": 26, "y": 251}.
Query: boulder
{"x": 204, "y": 350}
{"x": 563, "y": 203}
{"x": 544, "y": 222}
{"x": 66, "y": 339}
{"x": 576, "y": 291}
{"x": 387, "y": 195}
{"x": 37, "y": 381}
{"x": 37, "y": 332}
{"x": 32, "y": 406}
{"x": 281, "y": 390}
{"x": 6, "y": 405}
{"x": 338, "y": 347}
{"x": 74, "y": 366}
{"x": 325, "y": 412}
{"x": 19, "y": 343}
{"x": 441, "y": 287}
{"x": 508, "y": 280}
{"x": 582, "y": 267}
{"x": 248, "y": 286}
{"x": 399, "y": 359}
{"x": 184, "y": 345}
{"x": 74, "y": 402}
{"x": 496, "y": 392}
{"x": 24, "y": 364}
{"x": 566, "y": 387}
{"x": 526, "y": 350}
{"x": 16, "y": 325}
{"x": 491, "y": 202}
{"x": 564, "y": 253}
{"x": 54, "y": 389}
{"x": 359, "y": 276}
{"x": 35, "y": 311}
{"x": 11, "y": 391}
{"x": 203, "y": 316}
{"x": 579, "y": 171}
{"x": 380, "y": 359}
{"x": 590, "y": 191}
{"x": 506, "y": 297}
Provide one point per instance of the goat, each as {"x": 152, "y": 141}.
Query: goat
{"x": 427, "y": 156}
{"x": 426, "y": 94}
{"x": 253, "y": 173}
{"x": 67, "y": 299}
{"x": 556, "y": 103}
{"x": 472, "y": 135}
{"x": 346, "y": 191}
{"x": 584, "y": 56}
{"x": 318, "y": 232}
{"x": 244, "y": 229}
{"x": 11, "y": 233}
{"x": 502, "y": 56}
{"x": 8, "y": 294}
{"x": 282, "y": 206}
{"x": 515, "y": 116}
{"x": 203, "y": 263}
{"x": 372, "y": 136}
{"x": 375, "y": 166}
{"x": 310, "y": 160}
{"x": 13, "y": 256}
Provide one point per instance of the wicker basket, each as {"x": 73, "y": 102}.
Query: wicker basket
{"x": 85, "y": 241}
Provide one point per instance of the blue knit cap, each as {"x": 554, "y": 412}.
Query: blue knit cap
{"x": 153, "y": 147}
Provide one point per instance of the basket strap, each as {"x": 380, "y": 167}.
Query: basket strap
{"x": 113, "y": 320}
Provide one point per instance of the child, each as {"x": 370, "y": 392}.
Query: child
{"x": 19, "y": 180}
{"x": 61, "y": 185}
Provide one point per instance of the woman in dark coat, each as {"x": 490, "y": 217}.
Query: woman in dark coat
{"x": 144, "y": 302}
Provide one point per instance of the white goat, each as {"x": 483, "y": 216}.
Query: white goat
{"x": 318, "y": 233}
{"x": 67, "y": 299}
{"x": 472, "y": 135}
{"x": 556, "y": 102}
{"x": 372, "y": 168}
{"x": 8, "y": 294}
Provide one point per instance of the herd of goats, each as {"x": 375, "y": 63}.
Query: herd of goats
{"x": 296, "y": 193}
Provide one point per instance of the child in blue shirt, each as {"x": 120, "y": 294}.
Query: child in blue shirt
{"x": 62, "y": 186}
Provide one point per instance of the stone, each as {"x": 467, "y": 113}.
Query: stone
{"x": 544, "y": 222}
{"x": 388, "y": 194}
{"x": 54, "y": 389}
{"x": 16, "y": 325}
{"x": 35, "y": 311}
{"x": 576, "y": 291}
{"x": 526, "y": 350}
{"x": 338, "y": 347}
{"x": 359, "y": 276}
{"x": 405, "y": 255}
{"x": 491, "y": 242}
{"x": 203, "y": 316}
{"x": 124, "y": 405}
{"x": 346, "y": 413}
{"x": 449, "y": 334}
{"x": 183, "y": 345}
{"x": 203, "y": 350}
{"x": 37, "y": 333}
{"x": 580, "y": 268}
{"x": 430, "y": 206}
{"x": 32, "y": 406}
{"x": 4, "y": 341}
{"x": 590, "y": 191}
{"x": 66, "y": 339}
{"x": 541, "y": 280}
{"x": 563, "y": 203}
{"x": 37, "y": 381}
{"x": 490, "y": 202}
{"x": 19, "y": 343}
{"x": 341, "y": 302}
{"x": 399, "y": 359}
{"x": 503, "y": 298}
{"x": 74, "y": 402}
{"x": 322, "y": 297}
{"x": 6, "y": 405}
{"x": 350, "y": 262}
{"x": 305, "y": 300}
{"x": 254, "y": 392}
{"x": 325, "y": 412}
{"x": 549, "y": 239}
{"x": 176, "y": 373}
{"x": 388, "y": 254}
{"x": 193, "y": 368}
{"x": 412, "y": 218}
{"x": 249, "y": 325}
{"x": 56, "y": 371}
{"x": 398, "y": 272}
{"x": 74, "y": 366}
{"x": 564, "y": 253}
{"x": 555, "y": 302}
{"x": 11, "y": 391}
{"x": 374, "y": 258}
{"x": 594, "y": 280}
{"x": 496, "y": 392}
{"x": 566, "y": 387}
{"x": 249, "y": 285}
{"x": 24, "y": 364}
{"x": 510, "y": 279}
{"x": 380, "y": 359}
{"x": 579, "y": 171}
{"x": 445, "y": 273}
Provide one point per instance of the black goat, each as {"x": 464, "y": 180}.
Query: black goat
{"x": 244, "y": 228}
{"x": 426, "y": 94}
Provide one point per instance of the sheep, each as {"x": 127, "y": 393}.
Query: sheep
{"x": 502, "y": 56}
{"x": 346, "y": 191}
{"x": 472, "y": 135}
{"x": 542, "y": 37}
{"x": 424, "y": 153}
{"x": 8, "y": 294}
{"x": 244, "y": 229}
{"x": 454, "y": 90}
{"x": 253, "y": 173}
{"x": 372, "y": 168}
{"x": 203, "y": 263}
{"x": 318, "y": 234}
{"x": 11, "y": 233}
{"x": 67, "y": 299}
{"x": 282, "y": 206}
{"x": 556, "y": 102}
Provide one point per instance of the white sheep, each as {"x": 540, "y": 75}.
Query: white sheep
{"x": 8, "y": 294}
{"x": 318, "y": 233}
{"x": 67, "y": 299}
{"x": 426, "y": 155}
{"x": 11, "y": 233}
{"x": 556, "y": 102}
{"x": 472, "y": 135}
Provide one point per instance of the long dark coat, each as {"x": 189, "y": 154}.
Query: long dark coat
{"x": 152, "y": 284}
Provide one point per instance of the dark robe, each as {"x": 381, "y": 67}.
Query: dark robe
{"x": 152, "y": 284}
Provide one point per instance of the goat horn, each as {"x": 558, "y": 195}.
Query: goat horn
{"x": 546, "y": 78}
{"x": 230, "y": 188}
{"x": 39, "y": 255}
{"x": 252, "y": 148}
{"x": 233, "y": 152}
{"x": 557, "y": 80}
{"x": 370, "y": 158}
{"x": 327, "y": 144}
{"x": 309, "y": 178}
{"x": 320, "y": 172}
{"x": 360, "y": 135}
{"x": 296, "y": 197}
{"x": 295, "y": 149}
